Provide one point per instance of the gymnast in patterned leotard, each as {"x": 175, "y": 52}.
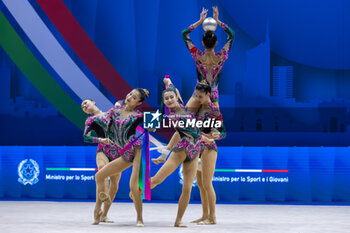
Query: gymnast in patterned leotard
{"x": 209, "y": 152}
{"x": 208, "y": 63}
{"x": 185, "y": 152}
{"x": 123, "y": 120}
{"x": 97, "y": 130}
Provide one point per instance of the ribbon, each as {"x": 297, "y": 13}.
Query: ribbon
{"x": 131, "y": 143}
{"x": 144, "y": 173}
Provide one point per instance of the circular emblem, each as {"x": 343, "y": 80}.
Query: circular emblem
{"x": 28, "y": 172}
{"x": 181, "y": 181}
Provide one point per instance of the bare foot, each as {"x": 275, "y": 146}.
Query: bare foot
{"x": 140, "y": 223}
{"x": 179, "y": 224}
{"x": 207, "y": 222}
{"x": 204, "y": 222}
{"x": 212, "y": 220}
{"x": 97, "y": 217}
{"x": 105, "y": 197}
{"x": 106, "y": 219}
{"x": 199, "y": 220}
{"x": 159, "y": 160}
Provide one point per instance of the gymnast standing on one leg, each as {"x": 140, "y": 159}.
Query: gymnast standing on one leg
{"x": 209, "y": 152}
{"x": 185, "y": 151}
{"x": 125, "y": 119}
{"x": 96, "y": 131}
{"x": 208, "y": 64}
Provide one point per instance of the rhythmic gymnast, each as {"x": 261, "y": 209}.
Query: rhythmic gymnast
{"x": 208, "y": 65}
{"x": 185, "y": 151}
{"x": 96, "y": 131}
{"x": 209, "y": 152}
{"x": 124, "y": 120}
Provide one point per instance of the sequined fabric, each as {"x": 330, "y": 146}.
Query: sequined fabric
{"x": 209, "y": 74}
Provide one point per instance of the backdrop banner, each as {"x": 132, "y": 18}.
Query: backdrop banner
{"x": 276, "y": 174}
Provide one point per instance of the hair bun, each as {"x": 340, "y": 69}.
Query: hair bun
{"x": 209, "y": 34}
{"x": 146, "y": 92}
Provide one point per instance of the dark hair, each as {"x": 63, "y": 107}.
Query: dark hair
{"x": 86, "y": 99}
{"x": 169, "y": 90}
{"x": 144, "y": 93}
{"x": 203, "y": 87}
{"x": 209, "y": 39}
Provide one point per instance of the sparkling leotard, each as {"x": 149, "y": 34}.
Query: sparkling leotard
{"x": 213, "y": 112}
{"x": 210, "y": 74}
{"x": 192, "y": 145}
{"x": 97, "y": 126}
{"x": 124, "y": 130}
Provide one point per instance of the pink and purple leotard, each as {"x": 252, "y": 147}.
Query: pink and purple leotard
{"x": 209, "y": 74}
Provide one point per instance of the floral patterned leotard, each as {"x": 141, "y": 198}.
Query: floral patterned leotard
{"x": 124, "y": 130}
{"x": 210, "y": 74}
{"x": 192, "y": 145}
{"x": 97, "y": 126}
{"x": 213, "y": 112}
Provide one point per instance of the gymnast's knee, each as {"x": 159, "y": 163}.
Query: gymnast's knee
{"x": 155, "y": 181}
{"x": 207, "y": 185}
{"x": 135, "y": 191}
{"x": 99, "y": 177}
{"x": 186, "y": 189}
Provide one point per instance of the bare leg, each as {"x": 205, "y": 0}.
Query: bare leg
{"x": 111, "y": 169}
{"x": 113, "y": 189}
{"x": 173, "y": 141}
{"x": 208, "y": 169}
{"x": 134, "y": 187}
{"x": 101, "y": 161}
{"x": 175, "y": 159}
{"x": 193, "y": 105}
{"x": 204, "y": 199}
{"x": 189, "y": 172}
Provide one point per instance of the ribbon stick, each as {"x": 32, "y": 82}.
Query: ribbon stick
{"x": 131, "y": 143}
